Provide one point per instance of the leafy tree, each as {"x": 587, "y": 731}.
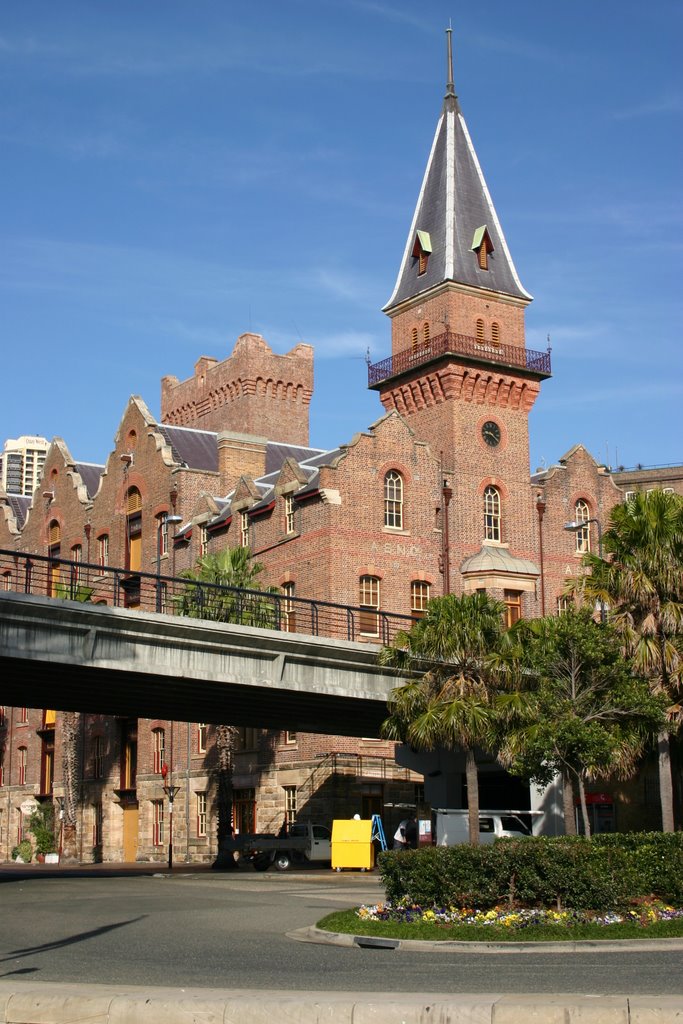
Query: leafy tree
{"x": 585, "y": 716}
{"x": 452, "y": 702}
{"x": 641, "y": 582}
{"x": 217, "y": 590}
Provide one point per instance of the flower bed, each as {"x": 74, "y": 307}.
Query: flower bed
{"x": 642, "y": 914}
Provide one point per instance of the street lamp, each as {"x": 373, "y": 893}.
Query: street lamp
{"x": 164, "y": 524}
{"x": 170, "y": 790}
{"x": 573, "y": 527}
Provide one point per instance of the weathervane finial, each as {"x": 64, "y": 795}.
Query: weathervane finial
{"x": 450, "y": 87}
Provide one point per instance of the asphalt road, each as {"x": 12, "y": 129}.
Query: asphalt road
{"x": 229, "y": 931}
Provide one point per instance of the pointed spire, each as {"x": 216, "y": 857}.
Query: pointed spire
{"x": 450, "y": 86}
{"x": 454, "y": 213}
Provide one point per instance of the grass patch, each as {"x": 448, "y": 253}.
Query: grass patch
{"x": 348, "y": 923}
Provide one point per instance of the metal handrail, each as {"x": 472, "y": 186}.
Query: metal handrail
{"x": 450, "y": 343}
{"x": 185, "y": 597}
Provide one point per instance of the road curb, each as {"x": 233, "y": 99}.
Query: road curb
{"x": 62, "y": 1004}
{"x": 325, "y": 938}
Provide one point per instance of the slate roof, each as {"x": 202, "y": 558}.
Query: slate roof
{"x": 195, "y": 449}
{"x": 19, "y": 503}
{"x": 90, "y": 474}
{"x": 453, "y": 203}
{"x": 276, "y": 453}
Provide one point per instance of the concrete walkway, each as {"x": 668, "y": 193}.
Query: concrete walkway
{"x": 27, "y": 1003}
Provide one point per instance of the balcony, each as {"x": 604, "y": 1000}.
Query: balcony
{"x": 510, "y": 357}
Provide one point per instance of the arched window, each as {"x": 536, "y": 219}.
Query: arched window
{"x": 495, "y": 333}
{"x": 54, "y": 537}
{"x": 289, "y": 607}
{"x": 158, "y": 750}
{"x": 419, "y": 596}
{"x": 582, "y": 514}
{"x": 97, "y": 757}
{"x": 134, "y": 530}
{"x": 425, "y": 332}
{"x": 369, "y": 602}
{"x": 491, "y": 514}
{"x": 23, "y": 752}
{"x": 393, "y": 500}
{"x": 480, "y": 330}
{"x": 414, "y": 337}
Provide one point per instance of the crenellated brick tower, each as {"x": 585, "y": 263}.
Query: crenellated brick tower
{"x": 459, "y": 372}
{"x": 253, "y": 392}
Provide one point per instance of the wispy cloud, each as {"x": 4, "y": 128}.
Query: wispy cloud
{"x": 671, "y": 103}
{"x": 390, "y": 13}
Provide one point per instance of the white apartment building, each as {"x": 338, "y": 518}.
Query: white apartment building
{"x": 22, "y": 463}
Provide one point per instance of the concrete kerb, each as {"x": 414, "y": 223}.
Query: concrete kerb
{"x": 27, "y": 1003}
{"x": 325, "y": 938}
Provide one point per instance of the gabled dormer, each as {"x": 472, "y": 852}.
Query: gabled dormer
{"x": 482, "y": 246}
{"x": 422, "y": 250}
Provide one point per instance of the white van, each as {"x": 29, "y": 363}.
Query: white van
{"x": 452, "y": 826}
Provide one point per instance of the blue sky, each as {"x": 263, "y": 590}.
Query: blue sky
{"x": 177, "y": 173}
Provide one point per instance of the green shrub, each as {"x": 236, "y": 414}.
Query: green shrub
{"x": 41, "y": 824}
{"x": 23, "y": 850}
{"x": 568, "y": 871}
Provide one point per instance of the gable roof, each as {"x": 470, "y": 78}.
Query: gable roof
{"x": 453, "y": 206}
{"x": 90, "y": 474}
{"x": 194, "y": 449}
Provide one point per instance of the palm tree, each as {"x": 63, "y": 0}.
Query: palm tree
{"x": 216, "y": 590}
{"x": 70, "y": 774}
{"x": 224, "y": 576}
{"x": 641, "y": 582}
{"x": 452, "y": 703}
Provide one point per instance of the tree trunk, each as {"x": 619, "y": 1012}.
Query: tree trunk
{"x": 584, "y": 808}
{"x": 225, "y": 742}
{"x": 472, "y": 796}
{"x": 666, "y": 794}
{"x": 568, "y": 804}
{"x": 70, "y": 773}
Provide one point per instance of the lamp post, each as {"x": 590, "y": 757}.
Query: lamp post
{"x": 170, "y": 790}
{"x": 574, "y": 527}
{"x": 164, "y": 524}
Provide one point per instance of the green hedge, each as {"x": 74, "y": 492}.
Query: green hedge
{"x": 604, "y": 873}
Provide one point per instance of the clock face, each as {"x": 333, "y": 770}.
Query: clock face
{"x": 491, "y": 433}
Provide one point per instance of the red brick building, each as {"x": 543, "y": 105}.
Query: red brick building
{"x": 434, "y": 497}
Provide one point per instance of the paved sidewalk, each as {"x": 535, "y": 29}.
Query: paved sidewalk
{"x": 26, "y": 1003}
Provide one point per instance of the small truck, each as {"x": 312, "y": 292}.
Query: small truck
{"x": 303, "y": 843}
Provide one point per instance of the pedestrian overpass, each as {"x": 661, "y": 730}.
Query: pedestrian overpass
{"x": 95, "y": 658}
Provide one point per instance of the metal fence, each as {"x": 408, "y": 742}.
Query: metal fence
{"x": 61, "y": 579}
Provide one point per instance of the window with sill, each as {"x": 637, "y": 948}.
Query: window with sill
{"x": 419, "y": 597}
{"x": 23, "y": 754}
{"x": 290, "y": 804}
{"x": 289, "y": 513}
{"x": 393, "y": 500}
{"x": 492, "y": 517}
{"x": 158, "y": 750}
{"x": 201, "y": 815}
{"x": 134, "y": 530}
{"x": 289, "y": 607}
{"x": 369, "y": 603}
{"x": 513, "y": 606}
{"x": 582, "y": 514}
{"x": 103, "y": 550}
{"x": 157, "y": 822}
{"x": 244, "y": 529}
{"x": 201, "y": 737}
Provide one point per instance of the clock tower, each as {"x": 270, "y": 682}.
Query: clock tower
{"x": 460, "y": 373}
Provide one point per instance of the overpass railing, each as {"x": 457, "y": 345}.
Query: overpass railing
{"x": 62, "y": 579}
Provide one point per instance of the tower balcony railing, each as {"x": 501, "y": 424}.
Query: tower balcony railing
{"x": 449, "y": 343}
{"x": 183, "y": 596}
